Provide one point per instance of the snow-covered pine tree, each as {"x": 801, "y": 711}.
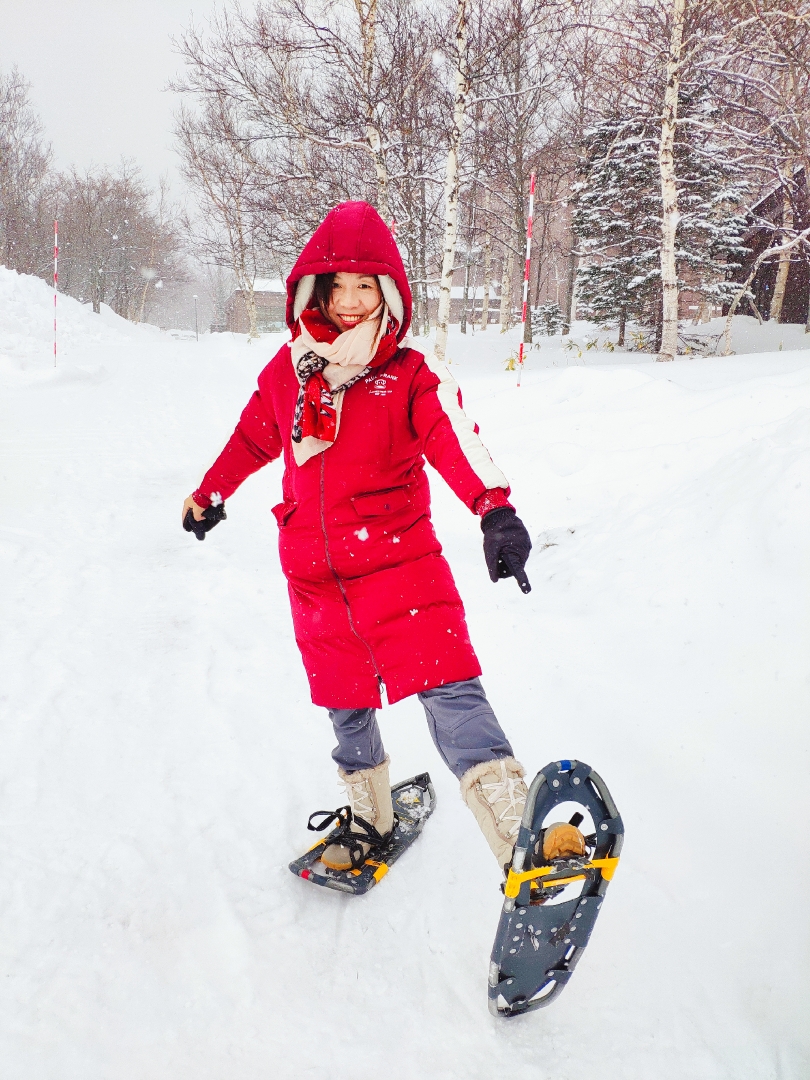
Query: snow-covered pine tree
{"x": 617, "y": 214}
{"x": 547, "y": 319}
{"x": 712, "y": 196}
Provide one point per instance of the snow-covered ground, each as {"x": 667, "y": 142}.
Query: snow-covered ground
{"x": 160, "y": 755}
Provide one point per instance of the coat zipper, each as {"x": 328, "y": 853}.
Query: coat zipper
{"x": 336, "y": 576}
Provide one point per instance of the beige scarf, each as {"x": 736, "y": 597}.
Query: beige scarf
{"x": 347, "y": 356}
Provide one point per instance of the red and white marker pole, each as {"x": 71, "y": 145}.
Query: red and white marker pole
{"x": 55, "y": 281}
{"x": 526, "y": 278}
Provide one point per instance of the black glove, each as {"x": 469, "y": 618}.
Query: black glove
{"x": 212, "y": 515}
{"x": 506, "y": 546}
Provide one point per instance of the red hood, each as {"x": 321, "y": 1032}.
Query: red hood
{"x": 352, "y": 238}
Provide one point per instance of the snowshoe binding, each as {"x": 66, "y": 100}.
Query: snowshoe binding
{"x": 552, "y": 900}
{"x": 371, "y": 854}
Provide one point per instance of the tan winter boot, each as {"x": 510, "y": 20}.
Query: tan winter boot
{"x": 496, "y": 793}
{"x": 562, "y": 841}
{"x": 369, "y": 796}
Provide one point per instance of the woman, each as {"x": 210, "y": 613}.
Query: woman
{"x": 355, "y": 412}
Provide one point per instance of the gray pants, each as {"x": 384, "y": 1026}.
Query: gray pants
{"x": 461, "y": 721}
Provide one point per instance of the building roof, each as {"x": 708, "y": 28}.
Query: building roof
{"x": 775, "y": 186}
{"x": 271, "y": 285}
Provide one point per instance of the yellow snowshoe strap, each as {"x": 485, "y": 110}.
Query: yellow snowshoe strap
{"x": 558, "y": 875}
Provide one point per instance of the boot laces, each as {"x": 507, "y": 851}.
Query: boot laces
{"x": 360, "y": 799}
{"x": 506, "y": 791}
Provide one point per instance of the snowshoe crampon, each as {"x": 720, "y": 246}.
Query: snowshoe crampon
{"x": 549, "y": 910}
{"x": 413, "y": 800}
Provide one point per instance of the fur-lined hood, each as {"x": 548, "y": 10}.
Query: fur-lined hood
{"x": 354, "y": 239}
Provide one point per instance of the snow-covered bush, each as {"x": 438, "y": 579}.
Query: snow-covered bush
{"x": 547, "y": 319}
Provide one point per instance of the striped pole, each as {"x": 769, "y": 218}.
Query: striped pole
{"x": 55, "y": 281}
{"x": 526, "y": 278}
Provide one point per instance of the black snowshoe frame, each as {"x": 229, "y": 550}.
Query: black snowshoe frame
{"x": 356, "y": 839}
{"x": 413, "y": 801}
{"x": 537, "y": 945}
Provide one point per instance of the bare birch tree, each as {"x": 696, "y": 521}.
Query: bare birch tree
{"x": 215, "y": 167}
{"x": 293, "y": 73}
{"x": 462, "y": 82}
{"x": 669, "y": 189}
{"x": 487, "y": 261}
{"x": 326, "y": 104}
{"x": 514, "y": 86}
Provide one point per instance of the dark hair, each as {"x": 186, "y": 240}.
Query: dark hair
{"x": 322, "y": 293}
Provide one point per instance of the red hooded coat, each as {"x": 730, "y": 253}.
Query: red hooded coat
{"x": 373, "y": 600}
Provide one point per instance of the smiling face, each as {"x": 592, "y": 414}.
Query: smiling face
{"x": 352, "y": 299}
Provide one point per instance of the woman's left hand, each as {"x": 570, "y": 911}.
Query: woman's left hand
{"x": 506, "y": 546}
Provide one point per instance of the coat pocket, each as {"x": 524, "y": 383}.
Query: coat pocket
{"x": 380, "y": 503}
{"x": 283, "y": 511}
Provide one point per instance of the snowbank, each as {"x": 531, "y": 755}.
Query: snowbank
{"x": 590, "y": 346}
{"x": 160, "y": 754}
{"x": 26, "y": 324}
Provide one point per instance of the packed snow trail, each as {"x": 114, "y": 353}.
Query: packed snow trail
{"x": 160, "y": 755}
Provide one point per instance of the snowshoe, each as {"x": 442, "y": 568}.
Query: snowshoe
{"x": 413, "y": 800}
{"x": 550, "y": 906}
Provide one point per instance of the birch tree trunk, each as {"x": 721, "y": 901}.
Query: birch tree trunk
{"x": 506, "y": 290}
{"x": 487, "y": 264}
{"x": 467, "y": 266}
{"x": 383, "y": 203}
{"x": 778, "y": 298}
{"x": 521, "y": 227}
{"x": 147, "y": 281}
{"x": 367, "y": 16}
{"x": 669, "y": 191}
{"x": 245, "y": 283}
{"x": 416, "y": 321}
{"x": 244, "y": 279}
{"x": 451, "y": 181}
{"x": 569, "y": 314}
{"x": 250, "y": 307}
{"x": 245, "y": 274}
{"x": 423, "y": 235}
{"x": 465, "y": 298}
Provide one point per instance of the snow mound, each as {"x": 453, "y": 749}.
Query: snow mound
{"x": 590, "y": 345}
{"x": 26, "y": 324}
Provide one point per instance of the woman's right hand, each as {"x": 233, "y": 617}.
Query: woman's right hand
{"x": 196, "y": 510}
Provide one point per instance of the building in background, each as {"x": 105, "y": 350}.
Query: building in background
{"x": 766, "y": 216}
{"x": 270, "y": 296}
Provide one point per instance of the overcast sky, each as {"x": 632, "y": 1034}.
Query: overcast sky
{"x": 98, "y": 69}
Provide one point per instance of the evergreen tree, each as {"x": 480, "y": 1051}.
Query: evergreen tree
{"x": 617, "y": 220}
{"x": 547, "y": 319}
{"x": 617, "y": 215}
{"x": 712, "y": 198}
